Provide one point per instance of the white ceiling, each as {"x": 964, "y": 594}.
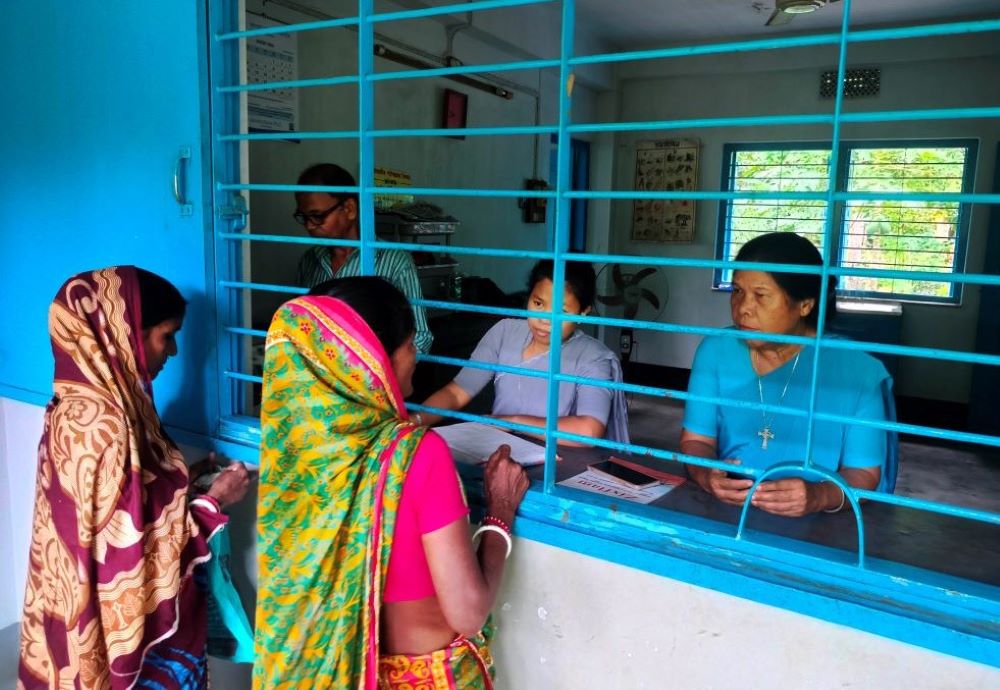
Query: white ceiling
{"x": 629, "y": 24}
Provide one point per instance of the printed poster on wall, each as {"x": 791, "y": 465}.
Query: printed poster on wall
{"x": 665, "y": 165}
{"x": 269, "y": 59}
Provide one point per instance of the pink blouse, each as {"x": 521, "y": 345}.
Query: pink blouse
{"x": 432, "y": 498}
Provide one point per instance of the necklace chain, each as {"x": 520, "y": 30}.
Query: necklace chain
{"x": 766, "y": 434}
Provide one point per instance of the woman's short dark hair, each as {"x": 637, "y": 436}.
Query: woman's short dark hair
{"x": 329, "y": 175}
{"x": 790, "y": 248}
{"x": 159, "y": 299}
{"x": 581, "y": 280}
{"x": 380, "y": 303}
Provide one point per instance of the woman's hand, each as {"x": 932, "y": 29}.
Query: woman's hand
{"x": 231, "y": 485}
{"x": 719, "y": 484}
{"x": 505, "y": 483}
{"x": 204, "y": 466}
{"x": 791, "y": 497}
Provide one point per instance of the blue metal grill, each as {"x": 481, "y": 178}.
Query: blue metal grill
{"x": 228, "y": 135}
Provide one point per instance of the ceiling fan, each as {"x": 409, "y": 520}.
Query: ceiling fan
{"x": 785, "y": 10}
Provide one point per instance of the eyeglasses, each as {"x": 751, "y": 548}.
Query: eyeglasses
{"x": 316, "y": 218}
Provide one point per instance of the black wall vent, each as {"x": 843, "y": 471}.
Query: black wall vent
{"x": 858, "y": 83}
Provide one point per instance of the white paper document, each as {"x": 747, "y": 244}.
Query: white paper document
{"x": 472, "y": 443}
{"x": 596, "y": 483}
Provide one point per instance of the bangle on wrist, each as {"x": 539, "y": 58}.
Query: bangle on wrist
{"x": 494, "y": 520}
{"x": 209, "y": 502}
{"x": 498, "y": 530}
{"x": 843, "y": 499}
{"x": 418, "y": 418}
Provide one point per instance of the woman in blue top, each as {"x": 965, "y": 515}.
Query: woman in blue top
{"x": 584, "y": 410}
{"x": 850, "y": 383}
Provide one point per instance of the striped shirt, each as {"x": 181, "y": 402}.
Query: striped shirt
{"x": 395, "y": 266}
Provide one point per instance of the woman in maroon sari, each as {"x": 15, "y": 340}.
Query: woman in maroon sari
{"x": 111, "y": 601}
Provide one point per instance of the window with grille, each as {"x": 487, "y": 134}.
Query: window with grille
{"x": 894, "y": 212}
{"x": 879, "y": 232}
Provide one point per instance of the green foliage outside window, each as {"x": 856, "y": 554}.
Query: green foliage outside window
{"x": 879, "y": 234}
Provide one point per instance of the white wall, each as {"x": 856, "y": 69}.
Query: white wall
{"x": 20, "y": 430}
{"x": 939, "y": 73}
{"x": 567, "y": 620}
{"x": 8, "y": 604}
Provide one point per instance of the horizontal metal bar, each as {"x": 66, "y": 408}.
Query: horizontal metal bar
{"x": 403, "y": 246}
{"x": 482, "y": 309}
{"x": 839, "y": 196}
{"x": 288, "y": 29}
{"x": 913, "y": 351}
{"x": 695, "y": 263}
{"x": 463, "y": 131}
{"x": 920, "y": 504}
{"x": 456, "y": 9}
{"x": 782, "y": 120}
{"x": 625, "y": 194}
{"x": 927, "y": 114}
{"x": 288, "y": 188}
{"x": 400, "y": 191}
{"x": 703, "y": 123}
{"x": 262, "y": 287}
{"x": 290, "y": 84}
{"x": 708, "y": 49}
{"x": 661, "y": 261}
{"x": 291, "y": 239}
{"x": 612, "y": 385}
{"x": 930, "y": 506}
{"x": 884, "y": 425}
{"x": 860, "y": 36}
{"x": 467, "y": 251}
{"x": 395, "y": 133}
{"x": 487, "y": 366}
{"x": 912, "y": 429}
{"x": 239, "y": 330}
{"x": 482, "y": 419}
{"x": 695, "y": 123}
{"x": 462, "y": 69}
{"x": 240, "y": 376}
{"x": 957, "y": 197}
{"x": 284, "y": 136}
{"x": 923, "y": 31}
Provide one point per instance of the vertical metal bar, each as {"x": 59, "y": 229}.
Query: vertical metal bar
{"x": 224, "y": 67}
{"x": 827, "y": 252}
{"x": 561, "y": 238}
{"x": 366, "y": 144}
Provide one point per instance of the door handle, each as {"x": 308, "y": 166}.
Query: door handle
{"x": 180, "y": 180}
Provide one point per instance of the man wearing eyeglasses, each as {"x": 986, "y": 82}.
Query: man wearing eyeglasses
{"x": 334, "y": 216}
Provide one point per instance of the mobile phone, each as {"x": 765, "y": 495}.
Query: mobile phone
{"x": 204, "y": 482}
{"x": 624, "y": 475}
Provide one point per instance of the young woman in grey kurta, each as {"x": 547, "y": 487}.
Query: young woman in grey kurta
{"x": 524, "y": 343}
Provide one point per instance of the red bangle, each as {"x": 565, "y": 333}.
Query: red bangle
{"x": 492, "y": 520}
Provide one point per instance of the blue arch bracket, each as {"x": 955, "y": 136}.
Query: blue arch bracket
{"x": 812, "y": 471}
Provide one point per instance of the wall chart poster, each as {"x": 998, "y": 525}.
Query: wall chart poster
{"x": 272, "y": 58}
{"x": 665, "y": 165}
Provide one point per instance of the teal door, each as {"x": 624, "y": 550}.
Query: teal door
{"x": 103, "y": 107}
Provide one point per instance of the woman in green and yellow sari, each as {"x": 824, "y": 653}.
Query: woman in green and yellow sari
{"x": 367, "y": 576}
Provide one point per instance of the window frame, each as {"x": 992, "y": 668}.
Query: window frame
{"x": 898, "y": 601}
{"x": 723, "y": 234}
